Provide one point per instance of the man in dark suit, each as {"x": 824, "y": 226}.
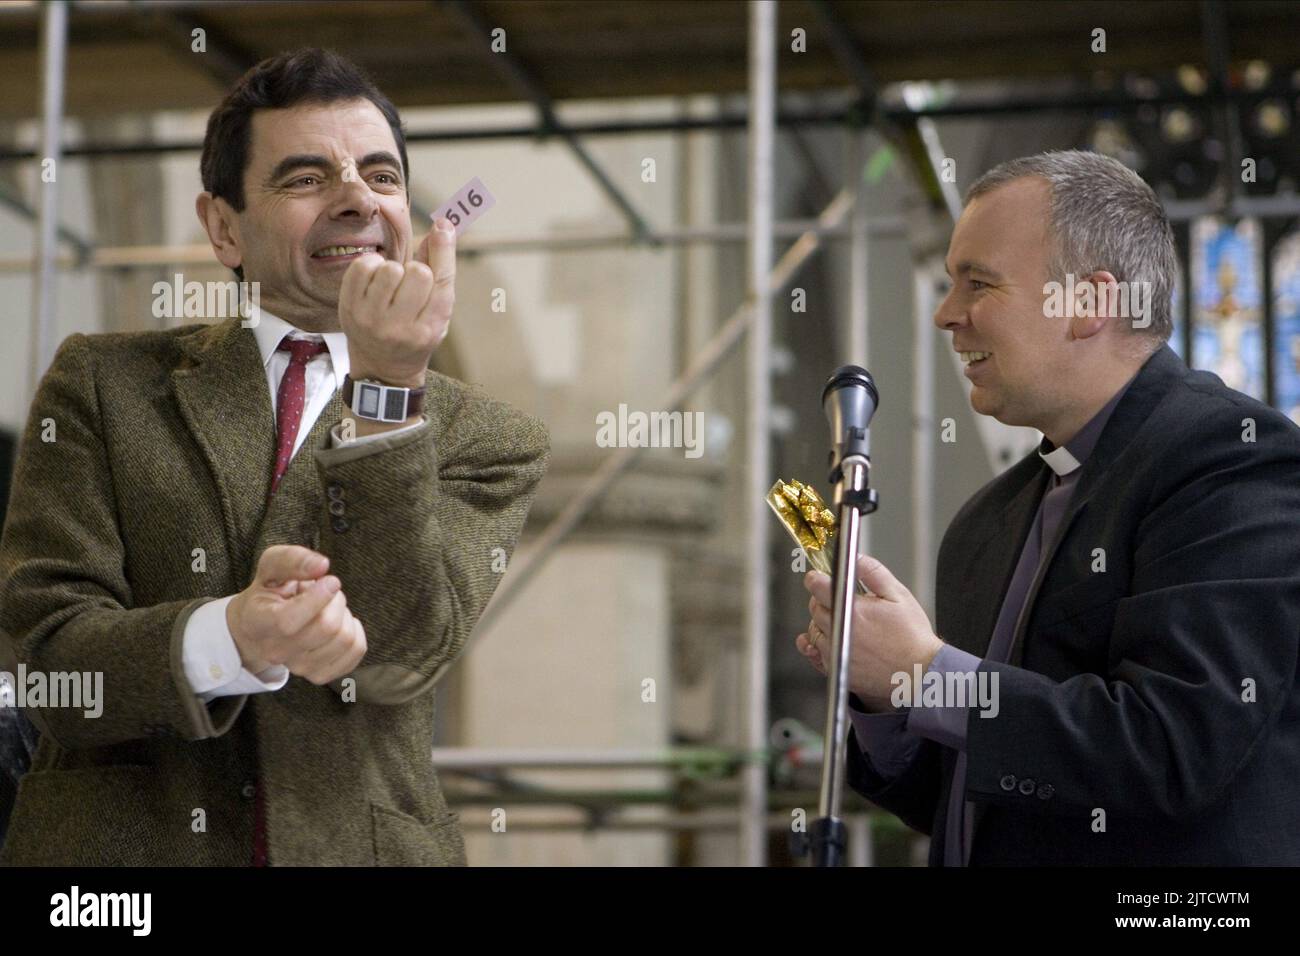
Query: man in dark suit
{"x": 1113, "y": 679}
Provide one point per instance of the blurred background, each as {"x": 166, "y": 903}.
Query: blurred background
{"x": 633, "y": 695}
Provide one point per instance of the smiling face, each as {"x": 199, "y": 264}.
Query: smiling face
{"x": 998, "y": 260}
{"x": 318, "y": 176}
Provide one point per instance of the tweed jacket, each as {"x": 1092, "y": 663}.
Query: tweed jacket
{"x": 140, "y": 493}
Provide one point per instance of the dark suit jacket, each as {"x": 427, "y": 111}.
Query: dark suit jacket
{"x": 164, "y": 444}
{"x": 1157, "y": 698}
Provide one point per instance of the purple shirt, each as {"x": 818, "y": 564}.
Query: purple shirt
{"x": 889, "y": 740}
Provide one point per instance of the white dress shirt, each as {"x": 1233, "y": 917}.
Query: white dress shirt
{"x": 211, "y": 659}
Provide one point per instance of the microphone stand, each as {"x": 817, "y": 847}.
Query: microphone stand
{"x": 850, "y": 468}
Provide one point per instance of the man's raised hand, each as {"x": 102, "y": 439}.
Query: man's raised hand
{"x": 396, "y": 314}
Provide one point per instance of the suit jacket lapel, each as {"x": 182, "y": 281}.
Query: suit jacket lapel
{"x": 1002, "y": 535}
{"x": 1075, "y": 508}
{"x": 222, "y": 395}
{"x": 1146, "y": 391}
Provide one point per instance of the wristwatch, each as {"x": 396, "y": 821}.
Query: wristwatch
{"x": 378, "y": 402}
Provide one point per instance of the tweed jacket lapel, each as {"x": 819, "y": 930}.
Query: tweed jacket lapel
{"x": 223, "y": 397}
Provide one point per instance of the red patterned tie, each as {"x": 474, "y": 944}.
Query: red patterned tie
{"x": 289, "y": 400}
{"x": 288, "y": 416}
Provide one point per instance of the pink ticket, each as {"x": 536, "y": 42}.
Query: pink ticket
{"x": 470, "y": 202}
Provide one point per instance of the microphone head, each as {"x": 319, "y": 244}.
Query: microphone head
{"x": 849, "y": 400}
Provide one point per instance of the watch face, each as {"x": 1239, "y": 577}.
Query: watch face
{"x": 395, "y": 405}
{"x": 369, "y": 401}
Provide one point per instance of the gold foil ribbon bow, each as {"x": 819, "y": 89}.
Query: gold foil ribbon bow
{"x": 812, "y": 525}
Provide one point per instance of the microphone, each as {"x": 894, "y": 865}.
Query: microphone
{"x": 849, "y": 400}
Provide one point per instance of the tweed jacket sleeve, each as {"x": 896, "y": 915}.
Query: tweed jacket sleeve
{"x": 419, "y": 527}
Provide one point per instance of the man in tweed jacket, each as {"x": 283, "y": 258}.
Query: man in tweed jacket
{"x": 349, "y": 583}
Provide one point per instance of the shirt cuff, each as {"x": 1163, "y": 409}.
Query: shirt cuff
{"x": 336, "y": 435}
{"x": 884, "y": 740}
{"x": 211, "y": 659}
{"x": 945, "y": 724}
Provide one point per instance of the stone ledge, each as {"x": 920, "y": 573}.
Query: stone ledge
{"x": 663, "y": 492}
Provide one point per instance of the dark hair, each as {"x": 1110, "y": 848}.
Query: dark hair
{"x": 309, "y": 75}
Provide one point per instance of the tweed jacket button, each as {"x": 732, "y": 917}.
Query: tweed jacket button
{"x": 339, "y": 525}
{"x": 337, "y": 508}
{"x": 1027, "y": 786}
{"x": 1045, "y": 791}
{"x": 335, "y": 491}
{"x": 248, "y": 790}
{"x": 1008, "y": 782}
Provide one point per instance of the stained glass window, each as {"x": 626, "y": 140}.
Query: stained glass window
{"x": 1227, "y": 314}
{"x": 1286, "y": 325}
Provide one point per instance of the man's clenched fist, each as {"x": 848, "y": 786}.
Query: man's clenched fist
{"x": 296, "y": 615}
{"x": 395, "y": 314}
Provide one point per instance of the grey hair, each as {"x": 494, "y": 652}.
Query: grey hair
{"x": 1103, "y": 217}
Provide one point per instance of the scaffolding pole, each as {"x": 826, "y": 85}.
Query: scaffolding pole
{"x": 924, "y": 300}
{"x": 858, "y": 335}
{"x": 856, "y": 339}
{"x": 835, "y": 115}
{"x": 200, "y": 254}
{"x": 918, "y": 96}
{"x": 476, "y": 758}
{"x": 758, "y": 471}
{"x": 54, "y": 46}
{"x": 721, "y": 821}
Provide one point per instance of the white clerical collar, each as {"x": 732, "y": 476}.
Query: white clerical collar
{"x": 1064, "y": 460}
{"x": 1059, "y": 460}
